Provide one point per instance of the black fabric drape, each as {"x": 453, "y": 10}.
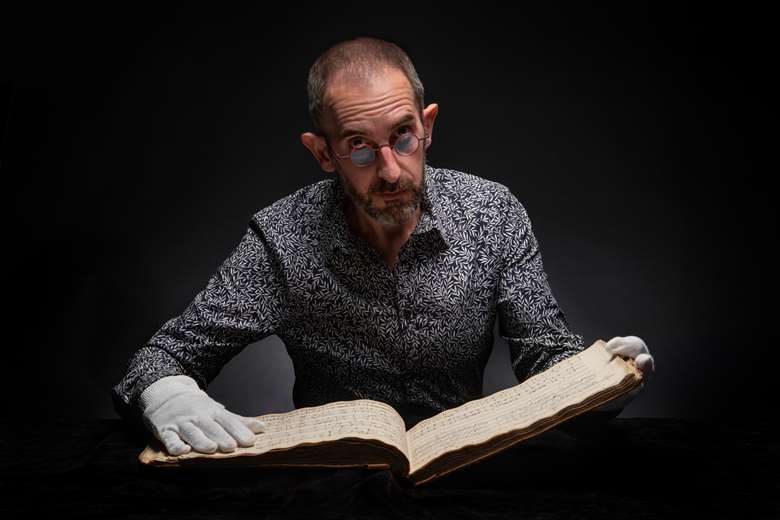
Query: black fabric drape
{"x": 626, "y": 468}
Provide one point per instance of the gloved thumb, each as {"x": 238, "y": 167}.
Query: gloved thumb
{"x": 256, "y": 425}
{"x": 646, "y": 363}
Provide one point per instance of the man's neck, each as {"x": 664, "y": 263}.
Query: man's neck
{"x": 385, "y": 239}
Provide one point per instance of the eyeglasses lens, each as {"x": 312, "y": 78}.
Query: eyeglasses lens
{"x": 404, "y": 145}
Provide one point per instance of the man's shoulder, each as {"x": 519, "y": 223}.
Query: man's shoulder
{"x": 467, "y": 191}
{"x": 296, "y": 212}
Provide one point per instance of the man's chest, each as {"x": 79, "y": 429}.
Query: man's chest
{"x": 444, "y": 295}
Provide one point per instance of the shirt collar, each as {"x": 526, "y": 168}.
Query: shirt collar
{"x": 434, "y": 218}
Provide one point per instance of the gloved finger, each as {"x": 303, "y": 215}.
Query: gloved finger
{"x": 236, "y": 428}
{"x": 256, "y": 425}
{"x": 216, "y": 433}
{"x": 192, "y": 435}
{"x": 173, "y": 444}
{"x": 629, "y": 346}
{"x": 646, "y": 364}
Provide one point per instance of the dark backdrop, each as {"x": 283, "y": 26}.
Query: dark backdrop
{"x": 138, "y": 141}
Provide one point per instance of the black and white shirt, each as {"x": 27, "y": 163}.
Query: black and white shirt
{"x": 417, "y": 336}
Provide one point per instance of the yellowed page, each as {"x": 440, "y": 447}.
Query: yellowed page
{"x": 362, "y": 418}
{"x": 569, "y": 382}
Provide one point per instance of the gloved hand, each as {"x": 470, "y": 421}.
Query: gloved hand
{"x": 182, "y": 416}
{"x": 635, "y": 348}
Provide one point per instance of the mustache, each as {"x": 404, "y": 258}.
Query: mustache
{"x": 391, "y": 187}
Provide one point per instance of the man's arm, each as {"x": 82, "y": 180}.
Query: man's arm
{"x": 243, "y": 302}
{"x": 530, "y": 319}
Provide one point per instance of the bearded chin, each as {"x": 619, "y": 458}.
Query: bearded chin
{"x": 392, "y": 214}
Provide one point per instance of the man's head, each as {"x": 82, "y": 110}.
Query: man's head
{"x": 366, "y": 92}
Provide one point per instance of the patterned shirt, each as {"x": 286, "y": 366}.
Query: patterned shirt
{"x": 416, "y": 337}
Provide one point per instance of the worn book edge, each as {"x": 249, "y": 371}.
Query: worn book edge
{"x": 386, "y": 455}
{"x": 468, "y": 453}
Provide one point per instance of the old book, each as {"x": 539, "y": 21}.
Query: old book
{"x": 368, "y": 433}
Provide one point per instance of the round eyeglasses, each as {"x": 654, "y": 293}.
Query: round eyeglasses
{"x": 363, "y": 155}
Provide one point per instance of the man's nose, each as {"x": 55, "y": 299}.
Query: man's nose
{"x": 389, "y": 169}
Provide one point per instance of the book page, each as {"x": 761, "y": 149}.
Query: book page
{"x": 362, "y": 418}
{"x": 569, "y": 382}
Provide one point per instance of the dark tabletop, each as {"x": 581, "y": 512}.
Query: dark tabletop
{"x": 631, "y": 468}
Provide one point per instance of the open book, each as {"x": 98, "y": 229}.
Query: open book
{"x": 368, "y": 433}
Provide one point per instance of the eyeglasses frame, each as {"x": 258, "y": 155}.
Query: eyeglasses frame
{"x": 377, "y": 148}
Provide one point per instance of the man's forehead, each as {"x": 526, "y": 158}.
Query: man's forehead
{"x": 348, "y": 101}
{"x": 344, "y": 89}
{"x": 346, "y": 80}
{"x": 404, "y": 117}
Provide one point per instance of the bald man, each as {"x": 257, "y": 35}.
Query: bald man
{"x": 383, "y": 281}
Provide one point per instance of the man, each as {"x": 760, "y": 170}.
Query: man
{"x": 383, "y": 282}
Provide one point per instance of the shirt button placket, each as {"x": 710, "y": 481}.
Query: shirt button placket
{"x": 405, "y": 314}
{"x": 400, "y": 316}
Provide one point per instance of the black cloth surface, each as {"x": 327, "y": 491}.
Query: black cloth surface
{"x": 630, "y": 468}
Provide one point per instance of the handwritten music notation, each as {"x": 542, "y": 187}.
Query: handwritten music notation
{"x": 569, "y": 382}
{"x": 359, "y": 418}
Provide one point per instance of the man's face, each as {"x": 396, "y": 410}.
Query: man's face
{"x": 375, "y": 113}
{"x": 389, "y": 211}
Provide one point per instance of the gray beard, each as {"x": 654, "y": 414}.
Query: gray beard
{"x": 396, "y": 212}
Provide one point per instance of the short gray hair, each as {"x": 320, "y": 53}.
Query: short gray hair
{"x": 361, "y": 58}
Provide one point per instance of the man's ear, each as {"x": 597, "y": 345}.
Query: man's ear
{"x": 319, "y": 149}
{"x": 429, "y": 116}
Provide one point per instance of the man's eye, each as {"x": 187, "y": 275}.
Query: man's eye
{"x": 354, "y": 143}
{"x": 403, "y": 128}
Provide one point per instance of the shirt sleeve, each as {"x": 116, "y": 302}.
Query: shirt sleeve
{"x": 530, "y": 320}
{"x": 243, "y": 302}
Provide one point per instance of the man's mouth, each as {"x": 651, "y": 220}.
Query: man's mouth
{"x": 391, "y": 194}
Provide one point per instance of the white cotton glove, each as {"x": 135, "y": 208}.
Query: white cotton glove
{"x": 636, "y": 349}
{"x": 182, "y": 416}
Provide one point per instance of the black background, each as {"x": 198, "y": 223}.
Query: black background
{"x": 138, "y": 141}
